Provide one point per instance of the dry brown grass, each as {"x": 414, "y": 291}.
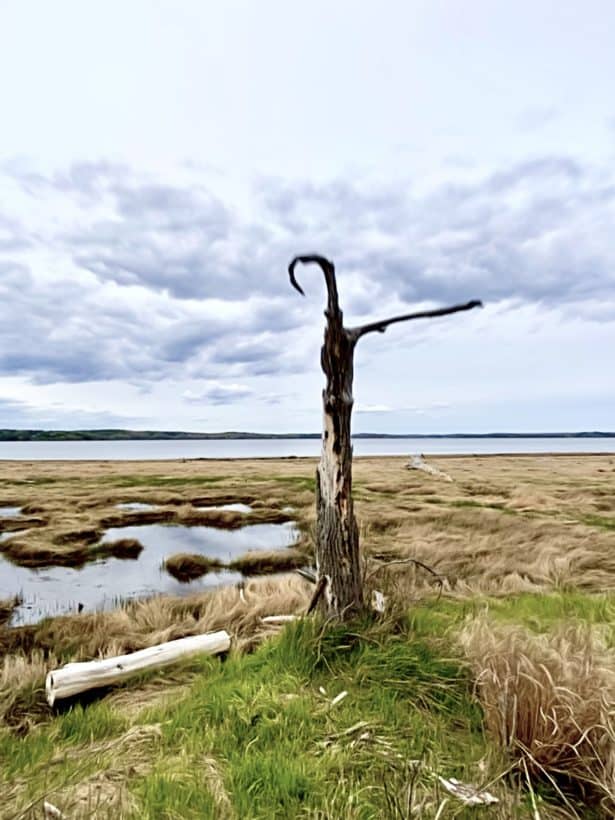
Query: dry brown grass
{"x": 69, "y": 505}
{"x": 7, "y": 605}
{"x": 100, "y": 787}
{"x": 121, "y": 548}
{"x": 186, "y": 566}
{"x": 27, "y": 653}
{"x": 549, "y": 700}
{"x": 502, "y": 525}
{"x": 262, "y": 562}
{"x": 22, "y": 679}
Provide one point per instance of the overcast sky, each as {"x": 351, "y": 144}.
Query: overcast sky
{"x": 161, "y": 162}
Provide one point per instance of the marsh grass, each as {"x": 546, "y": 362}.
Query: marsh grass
{"x": 550, "y": 701}
{"x": 73, "y": 533}
{"x": 257, "y": 735}
{"x": 7, "y": 605}
{"x": 126, "y": 548}
{"x": 188, "y": 566}
{"x": 254, "y": 736}
{"x": 540, "y": 511}
{"x": 262, "y": 562}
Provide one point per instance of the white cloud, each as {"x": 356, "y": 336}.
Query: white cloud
{"x": 149, "y": 207}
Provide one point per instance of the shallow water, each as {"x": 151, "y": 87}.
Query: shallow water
{"x": 103, "y": 583}
{"x": 136, "y": 506}
{"x": 240, "y": 508}
{"x": 10, "y": 512}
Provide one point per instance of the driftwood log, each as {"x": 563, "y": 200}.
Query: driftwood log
{"x": 74, "y": 678}
{"x": 337, "y": 534}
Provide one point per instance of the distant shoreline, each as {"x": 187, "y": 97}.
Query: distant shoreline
{"x": 14, "y": 435}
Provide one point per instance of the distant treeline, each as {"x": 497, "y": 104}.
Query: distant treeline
{"x": 135, "y": 435}
{"x": 153, "y": 435}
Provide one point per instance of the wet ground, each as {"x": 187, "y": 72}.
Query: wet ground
{"x": 103, "y": 583}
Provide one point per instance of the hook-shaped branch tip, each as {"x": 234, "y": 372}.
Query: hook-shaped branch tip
{"x": 328, "y": 270}
{"x": 291, "y": 276}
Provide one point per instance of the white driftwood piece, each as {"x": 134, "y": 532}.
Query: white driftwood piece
{"x": 74, "y": 678}
{"x": 418, "y": 463}
{"x": 278, "y": 619}
{"x": 52, "y": 812}
{"x": 378, "y": 601}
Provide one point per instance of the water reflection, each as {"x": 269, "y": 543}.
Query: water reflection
{"x": 10, "y": 512}
{"x": 102, "y": 583}
{"x": 240, "y": 508}
{"x": 136, "y": 506}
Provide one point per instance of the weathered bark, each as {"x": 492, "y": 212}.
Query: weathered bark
{"x": 337, "y": 552}
{"x": 337, "y": 535}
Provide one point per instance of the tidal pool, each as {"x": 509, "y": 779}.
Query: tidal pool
{"x": 240, "y": 508}
{"x": 103, "y": 583}
{"x": 136, "y": 506}
{"x": 10, "y": 512}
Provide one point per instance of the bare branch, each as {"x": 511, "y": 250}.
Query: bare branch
{"x": 439, "y": 578}
{"x": 307, "y": 573}
{"x": 355, "y": 333}
{"x": 327, "y": 267}
{"x": 320, "y": 588}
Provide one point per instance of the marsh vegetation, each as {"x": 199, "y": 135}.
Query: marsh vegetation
{"x": 527, "y": 552}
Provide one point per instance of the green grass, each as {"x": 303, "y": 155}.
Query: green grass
{"x": 262, "y": 718}
{"x": 296, "y": 482}
{"x": 537, "y": 612}
{"x": 260, "y": 727}
{"x": 163, "y": 481}
{"x": 601, "y": 521}
{"x": 37, "y": 481}
{"x": 265, "y": 718}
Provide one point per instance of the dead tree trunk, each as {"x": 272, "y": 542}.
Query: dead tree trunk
{"x": 337, "y": 535}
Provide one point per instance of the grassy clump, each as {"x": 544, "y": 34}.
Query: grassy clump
{"x": 548, "y": 699}
{"x": 187, "y": 566}
{"x": 259, "y": 562}
{"x": 121, "y": 548}
{"x": 7, "y": 605}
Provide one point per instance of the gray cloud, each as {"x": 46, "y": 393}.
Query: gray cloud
{"x": 13, "y": 236}
{"x": 123, "y": 299}
{"x": 73, "y": 331}
{"x": 218, "y": 394}
{"x": 15, "y": 414}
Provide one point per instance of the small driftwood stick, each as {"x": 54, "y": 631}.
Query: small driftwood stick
{"x": 75, "y": 678}
{"x": 278, "y": 619}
